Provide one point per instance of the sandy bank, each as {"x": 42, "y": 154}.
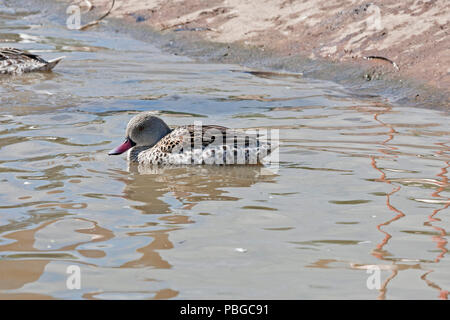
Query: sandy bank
{"x": 412, "y": 35}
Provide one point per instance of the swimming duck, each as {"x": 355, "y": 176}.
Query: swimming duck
{"x": 150, "y": 141}
{"x": 16, "y": 61}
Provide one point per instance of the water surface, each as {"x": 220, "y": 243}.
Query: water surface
{"x": 360, "y": 182}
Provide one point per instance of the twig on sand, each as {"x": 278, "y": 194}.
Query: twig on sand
{"x": 383, "y": 58}
{"x": 181, "y": 26}
{"x": 95, "y": 22}
{"x": 89, "y": 5}
{"x": 84, "y": 3}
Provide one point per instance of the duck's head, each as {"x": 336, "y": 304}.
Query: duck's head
{"x": 143, "y": 129}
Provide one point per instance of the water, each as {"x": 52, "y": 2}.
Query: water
{"x": 360, "y": 182}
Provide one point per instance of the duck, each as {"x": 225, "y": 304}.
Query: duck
{"x": 150, "y": 141}
{"x": 16, "y": 61}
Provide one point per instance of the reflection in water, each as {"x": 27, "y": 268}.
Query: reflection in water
{"x": 392, "y": 152}
{"x": 156, "y": 189}
{"x": 439, "y": 239}
{"x": 155, "y": 192}
{"x": 379, "y": 252}
{"x": 188, "y": 185}
{"x": 30, "y": 269}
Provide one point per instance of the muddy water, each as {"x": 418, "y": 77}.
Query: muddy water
{"x": 360, "y": 184}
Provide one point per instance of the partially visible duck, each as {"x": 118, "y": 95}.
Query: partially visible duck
{"x": 16, "y": 61}
{"x": 150, "y": 141}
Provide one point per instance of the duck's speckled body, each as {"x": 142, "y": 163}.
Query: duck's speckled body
{"x": 151, "y": 142}
{"x": 15, "y": 61}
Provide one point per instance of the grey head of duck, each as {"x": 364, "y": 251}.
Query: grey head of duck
{"x": 144, "y": 129}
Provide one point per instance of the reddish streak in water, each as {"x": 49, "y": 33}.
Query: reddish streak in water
{"x": 440, "y": 240}
{"x": 378, "y": 253}
{"x": 400, "y": 214}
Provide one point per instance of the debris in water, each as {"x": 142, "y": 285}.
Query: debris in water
{"x": 383, "y": 58}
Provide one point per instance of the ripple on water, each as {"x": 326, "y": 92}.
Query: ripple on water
{"x": 360, "y": 183}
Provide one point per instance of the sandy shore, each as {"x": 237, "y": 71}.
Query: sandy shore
{"x": 412, "y": 35}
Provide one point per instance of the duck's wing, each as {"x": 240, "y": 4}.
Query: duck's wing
{"x": 207, "y": 144}
{"x": 19, "y": 55}
{"x": 205, "y": 136}
{"x": 219, "y": 136}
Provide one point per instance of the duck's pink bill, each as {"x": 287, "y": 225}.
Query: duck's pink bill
{"x": 122, "y": 148}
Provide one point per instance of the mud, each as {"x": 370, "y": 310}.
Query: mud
{"x": 323, "y": 39}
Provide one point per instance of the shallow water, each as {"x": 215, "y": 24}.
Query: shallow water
{"x": 360, "y": 182}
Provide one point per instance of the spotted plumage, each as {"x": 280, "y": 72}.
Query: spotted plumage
{"x": 15, "y": 61}
{"x": 151, "y": 142}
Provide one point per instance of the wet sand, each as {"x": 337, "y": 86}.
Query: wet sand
{"x": 412, "y": 36}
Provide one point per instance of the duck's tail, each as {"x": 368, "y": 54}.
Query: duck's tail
{"x": 52, "y": 63}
